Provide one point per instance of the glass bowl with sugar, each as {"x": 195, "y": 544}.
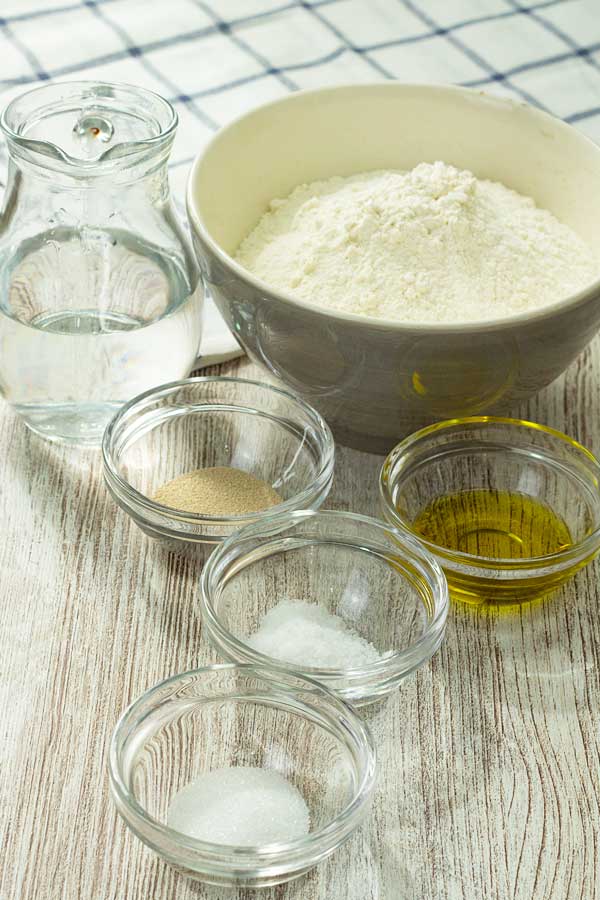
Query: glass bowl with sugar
{"x": 236, "y": 775}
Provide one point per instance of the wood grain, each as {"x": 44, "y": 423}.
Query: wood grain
{"x": 489, "y": 757}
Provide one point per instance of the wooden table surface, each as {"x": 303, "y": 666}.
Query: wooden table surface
{"x": 488, "y": 757}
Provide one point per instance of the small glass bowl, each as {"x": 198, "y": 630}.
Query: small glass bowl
{"x": 226, "y": 715}
{"x": 381, "y": 583}
{"x": 215, "y": 421}
{"x": 509, "y": 456}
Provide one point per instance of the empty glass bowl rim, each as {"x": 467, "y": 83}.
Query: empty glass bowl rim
{"x": 589, "y": 544}
{"x": 386, "y": 665}
{"x": 322, "y": 477}
{"x": 343, "y": 823}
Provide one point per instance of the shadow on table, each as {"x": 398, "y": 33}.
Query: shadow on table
{"x": 172, "y": 598}
{"x": 60, "y": 487}
{"x": 542, "y": 648}
{"x": 61, "y": 499}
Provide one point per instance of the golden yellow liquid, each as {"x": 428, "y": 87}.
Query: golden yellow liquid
{"x": 497, "y": 525}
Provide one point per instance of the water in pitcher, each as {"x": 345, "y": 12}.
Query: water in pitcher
{"x": 89, "y": 319}
{"x": 99, "y": 288}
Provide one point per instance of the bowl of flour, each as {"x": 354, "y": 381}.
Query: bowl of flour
{"x": 398, "y": 253}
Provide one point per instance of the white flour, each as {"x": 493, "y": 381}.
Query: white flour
{"x": 431, "y": 245}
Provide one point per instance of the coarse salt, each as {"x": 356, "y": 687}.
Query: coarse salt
{"x": 242, "y": 806}
{"x": 309, "y": 635}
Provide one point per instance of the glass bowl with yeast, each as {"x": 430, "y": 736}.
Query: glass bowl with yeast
{"x": 336, "y": 596}
{"x": 511, "y": 509}
{"x": 194, "y": 460}
{"x": 240, "y": 776}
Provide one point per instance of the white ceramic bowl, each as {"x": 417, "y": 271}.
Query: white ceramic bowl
{"x": 375, "y": 380}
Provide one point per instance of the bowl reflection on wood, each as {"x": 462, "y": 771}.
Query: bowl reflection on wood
{"x": 377, "y": 380}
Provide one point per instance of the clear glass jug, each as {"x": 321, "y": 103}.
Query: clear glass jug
{"x": 99, "y": 290}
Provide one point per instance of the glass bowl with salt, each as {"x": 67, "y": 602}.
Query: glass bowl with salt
{"x": 195, "y": 460}
{"x": 337, "y": 596}
{"x": 235, "y": 775}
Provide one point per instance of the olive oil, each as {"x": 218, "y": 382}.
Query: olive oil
{"x": 496, "y": 525}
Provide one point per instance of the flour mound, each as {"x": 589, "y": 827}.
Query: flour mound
{"x": 431, "y": 245}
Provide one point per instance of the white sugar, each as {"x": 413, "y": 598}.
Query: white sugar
{"x": 242, "y": 806}
{"x": 307, "y": 634}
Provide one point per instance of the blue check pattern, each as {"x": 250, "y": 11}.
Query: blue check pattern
{"x": 213, "y": 59}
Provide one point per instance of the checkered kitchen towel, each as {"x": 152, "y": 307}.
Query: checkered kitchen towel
{"x": 215, "y": 58}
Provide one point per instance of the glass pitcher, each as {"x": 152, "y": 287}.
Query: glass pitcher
{"x": 99, "y": 290}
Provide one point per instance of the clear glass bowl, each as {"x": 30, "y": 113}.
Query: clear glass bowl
{"x": 381, "y": 583}
{"x": 226, "y": 715}
{"x": 214, "y": 421}
{"x": 533, "y": 474}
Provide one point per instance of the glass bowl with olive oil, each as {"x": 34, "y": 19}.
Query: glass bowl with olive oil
{"x": 511, "y": 509}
